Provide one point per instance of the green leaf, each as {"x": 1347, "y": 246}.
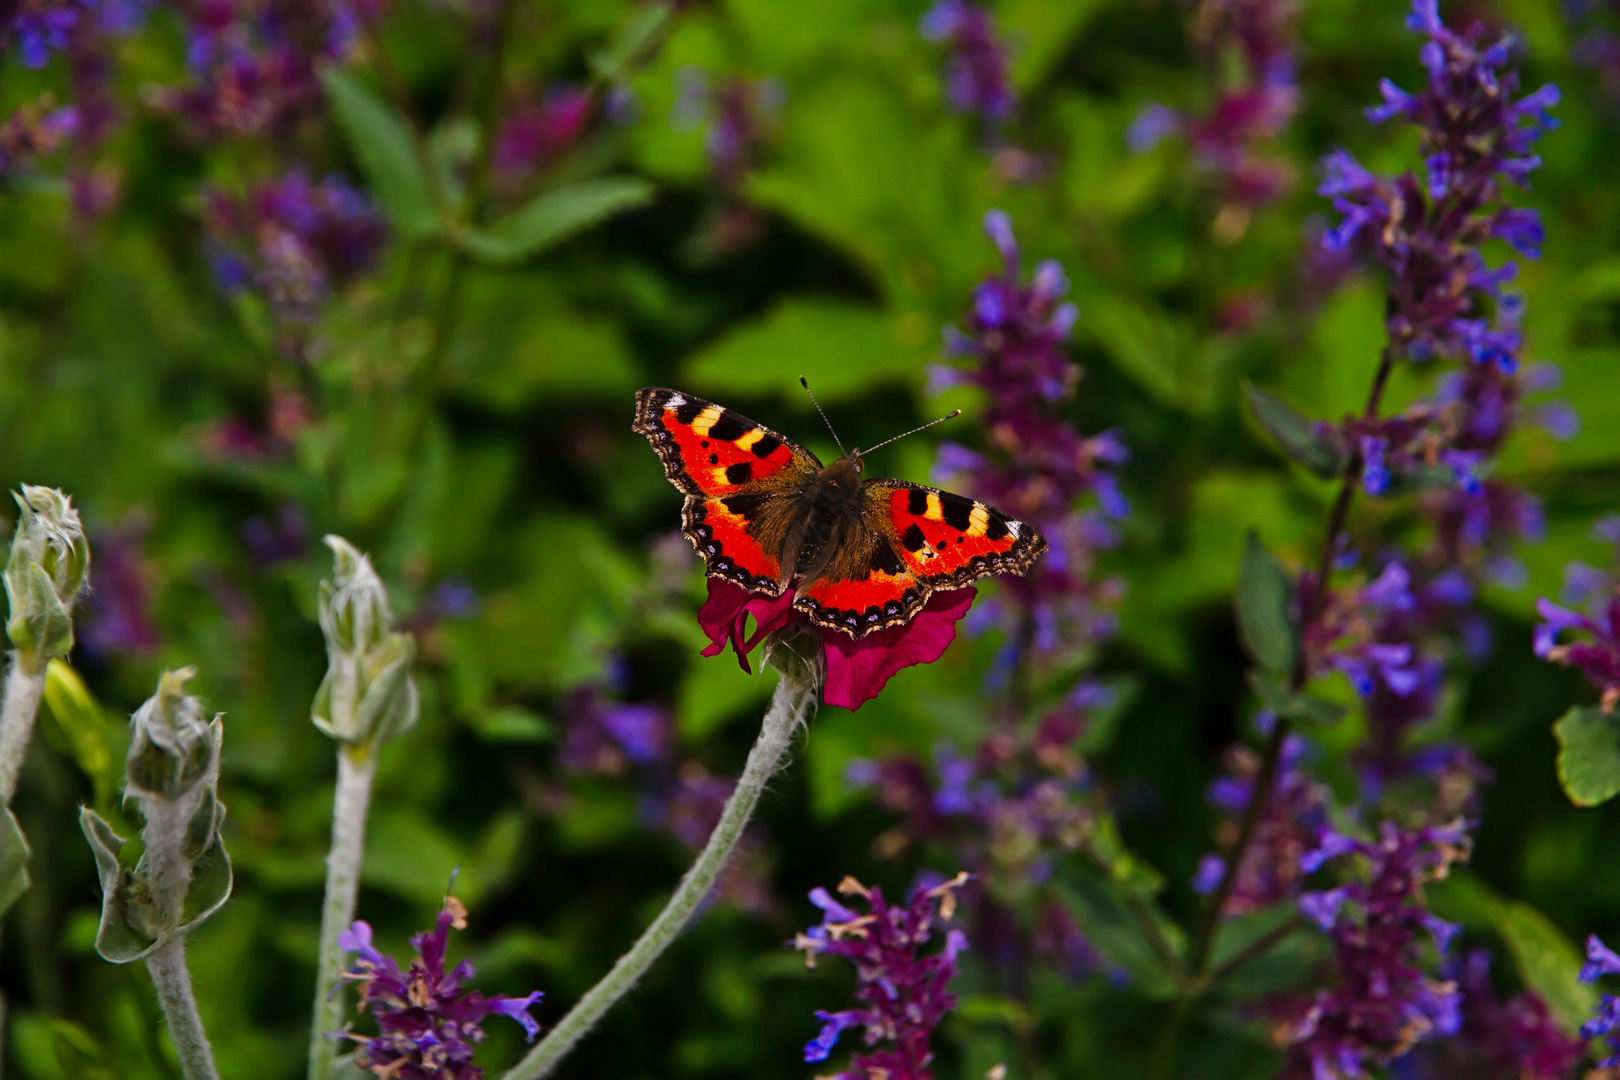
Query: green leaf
{"x": 385, "y": 149}
{"x": 13, "y": 862}
{"x": 552, "y": 217}
{"x": 210, "y": 887}
{"x": 846, "y": 349}
{"x": 1548, "y": 961}
{"x": 1101, "y": 911}
{"x": 117, "y": 940}
{"x": 1294, "y": 433}
{"x": 82, "y": 726}
{"x": 1262, "y": 608}
{"x": 629, "y": 48}
{"x": 1588, "y": 755}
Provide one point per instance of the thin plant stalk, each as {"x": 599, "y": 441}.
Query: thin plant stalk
{"x": 787, "y": 711}
{"x": 167, "y": 965}
{"x": 23, "y": 691}
{"x": 1203, "y": 941}
{"x": 356, "y": 767}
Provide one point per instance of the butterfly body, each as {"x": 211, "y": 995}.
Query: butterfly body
{"x": 767, "y": 515}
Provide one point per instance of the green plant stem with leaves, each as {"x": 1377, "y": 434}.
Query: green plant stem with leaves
{"x": 789, "y": 705}
{"x": 1198, "y": 977}
{"x": 357, "y": 765}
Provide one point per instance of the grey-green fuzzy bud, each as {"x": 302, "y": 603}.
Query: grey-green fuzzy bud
{"x": 46, "y": 572}
{"x": 173, "y": 745}
{"x": 368, "y": 693}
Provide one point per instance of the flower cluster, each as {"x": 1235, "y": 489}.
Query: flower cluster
{"x": 902, "y": 993}
{"x": 1512, "y": 1039}
{"x": 1382, "y": 1003}
{"x": 428, "y": 1026}
{"x": 1233, "y": 139}
{"x": 1426, "y": 232}
{"x": 253, "y": 64}
{"x": 1596, "y": 653}
{"x": 1009, "y": 812}
{"x": 976, "y": 79}
{"x": 738, "y": 116}
{"x": 1294, "y": 816}
{"x": 1601, "y": 961}
{"x": 293, "y": 240}
{"x": 34, "y": 131}
{"x": 118, "y": 615}
{"x": 1040, "y": 465}
{"x": 534, "y": 135}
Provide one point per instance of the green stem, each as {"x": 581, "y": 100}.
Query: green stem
{"x": 356, "y": 767}
{"x": 23, "y": 690}
{"x": 1266, "y": 778}
{"x": 173, "y": 982}
{"x": 789, "y": 705}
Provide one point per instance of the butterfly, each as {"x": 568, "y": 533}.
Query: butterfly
{"x": 766, "y": 514}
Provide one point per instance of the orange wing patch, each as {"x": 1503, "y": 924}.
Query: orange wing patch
{"x": 948, "y": 540}
{"x": 725, "y": 464}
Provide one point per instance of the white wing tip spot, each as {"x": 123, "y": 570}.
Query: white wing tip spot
{"x": 1016, "y": 528}
{"x": 675, "y": 401}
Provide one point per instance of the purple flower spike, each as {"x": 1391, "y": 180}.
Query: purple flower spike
{"x": 427, "y": 1025}
{"x": 1600, "y": 961}
{"x": 902, "y": 993}
{"x": 976, "y": 79}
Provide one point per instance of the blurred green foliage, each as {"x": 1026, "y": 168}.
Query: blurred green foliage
{"x": 501, "y": 456}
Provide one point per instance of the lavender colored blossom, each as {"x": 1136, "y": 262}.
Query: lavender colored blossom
{"x": 1605, "y": 1019}
{"x": 1039, "y": 466}
{"x": 1234, "y": 138}
{"x": 1382, "y": 1003}
{"x": 1515, "y": 1038}
{"x": 1477, "y": 136}
{"x": 428, "y": 1026}
{"x": 118, "y": 618}
{"x": 282, "y": 540}
{"x": 902, "y": 993}
{"x": 1294, "y": 816}
{"x": 532, "y": 136}
{"x": 1598, "y": 656}
{"x": 976, "y": 78}
{"x": 294, "y": 240}
{"x": 738, "y": 115}
{"x": 607, "y": 737}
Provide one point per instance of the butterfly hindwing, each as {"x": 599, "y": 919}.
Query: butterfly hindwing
{"x": 733, "y": 473}
{"x": 911, "y": 542}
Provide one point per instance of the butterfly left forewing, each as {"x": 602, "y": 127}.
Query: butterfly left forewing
{"x": 735, "y": 475}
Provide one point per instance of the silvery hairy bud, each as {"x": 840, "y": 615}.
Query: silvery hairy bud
{"x": 49, "y": 563}
{"x": 368, "y": 694}
{"x": 172, "y": 773}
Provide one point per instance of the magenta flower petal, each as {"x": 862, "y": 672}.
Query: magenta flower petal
{"x": 858, "y": 669}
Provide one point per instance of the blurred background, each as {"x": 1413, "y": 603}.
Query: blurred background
{"x": 232, "y": 321}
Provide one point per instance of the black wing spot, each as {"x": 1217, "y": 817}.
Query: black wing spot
{"x": 745, "y": 505}
{"x": 766, "y": 445}
{"x": 730, "y": 427}
{"x": 740, "y": 473}
{"x": 689, "y": 411}
{"x": 887, "y": 561}
{"x": 705, "y": 444}
{"x": 917, "y": 503}
{"x": 913, "y": 538}
{"x": 996, "y": 528}
{"x": 957, "y": 511}
{"x": 714, "y": 459}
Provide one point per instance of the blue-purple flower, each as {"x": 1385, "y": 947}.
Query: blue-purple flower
{"x": 1605, "y": 1019}
{"x": 1383, "y": 1002}
{"x": 976, "y": 78}
{"x": 1477, "y": 136}
{"x": 902, "y": 992}
{"x": 428, "y": 1026}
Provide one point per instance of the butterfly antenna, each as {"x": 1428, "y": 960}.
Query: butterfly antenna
{"x": 913, "y": 431}
{"x": 806, "y": 384}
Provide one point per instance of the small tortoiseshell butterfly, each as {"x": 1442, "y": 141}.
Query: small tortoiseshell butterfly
{"x": 863, "y": 554}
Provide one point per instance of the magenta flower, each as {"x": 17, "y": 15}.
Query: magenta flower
{"x": 856, "y": 669}
{"x": 428, "y": 1026}
{"x": 902, "y": 994}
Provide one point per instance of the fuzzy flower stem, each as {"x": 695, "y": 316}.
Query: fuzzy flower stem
{"x": 23, "y": 690}
{"x": 787, "y": 711}
{"x": 1265, "y": 780}
{"x": 173, "y": 982}
{"x": 356, "y": 767}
